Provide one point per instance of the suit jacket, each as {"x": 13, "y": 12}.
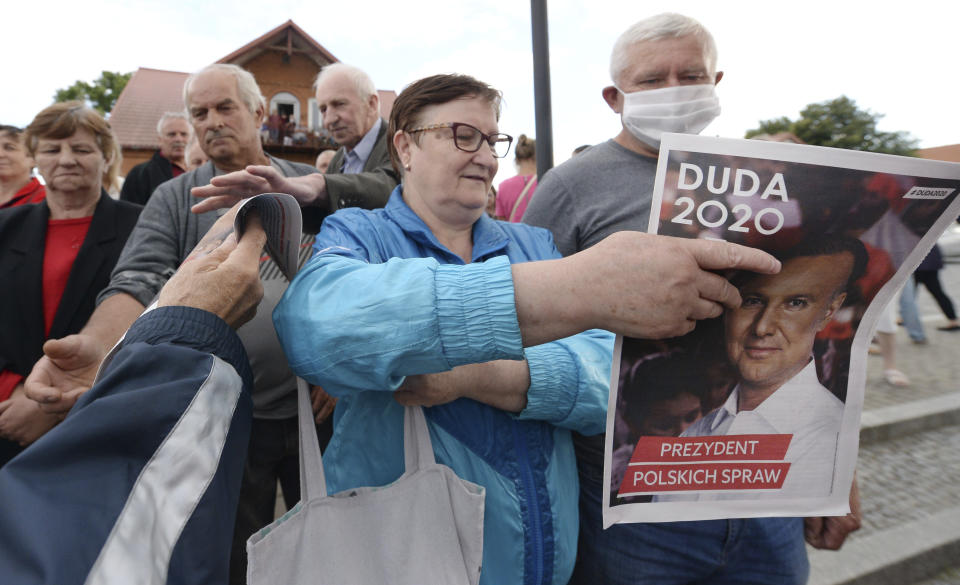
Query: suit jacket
{"x": 23, "y": 232}
{"x": 369, "y": 189}
{"x": 142, "y": 179}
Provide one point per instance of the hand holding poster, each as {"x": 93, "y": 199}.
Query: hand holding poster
{"x": 756, "y": 412}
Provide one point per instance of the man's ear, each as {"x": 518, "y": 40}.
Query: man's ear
{"x": 614, "y": 99}
{"x": 832, "y": 309}
{"x": 718, "y": 78}
{"x": 373, "y": 102}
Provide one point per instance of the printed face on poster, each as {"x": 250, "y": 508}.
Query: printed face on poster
{"x": 756, "y": 412}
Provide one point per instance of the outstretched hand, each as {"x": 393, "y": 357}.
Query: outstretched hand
{"x": 227, "y": 190}
{"x": 65, "y": 371}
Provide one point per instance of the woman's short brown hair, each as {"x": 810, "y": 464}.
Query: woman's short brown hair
{"x": 62, "y": 120}
{"x": 430, "y": 91}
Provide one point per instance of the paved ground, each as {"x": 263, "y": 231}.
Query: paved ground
{"x": 919, "y": 474}
{"x": 911, "y": 481}
{"x": 909, "y": 478}
{"x": 933, "y": 369}
{"x": 949, "y": 577}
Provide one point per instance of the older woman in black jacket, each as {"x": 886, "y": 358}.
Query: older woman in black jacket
{"x": 56, "y": 255}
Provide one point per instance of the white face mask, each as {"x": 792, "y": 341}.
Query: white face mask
{"x": 685, "y": 109}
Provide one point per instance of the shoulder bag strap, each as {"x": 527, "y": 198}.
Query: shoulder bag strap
{"x": 417, "y": 447}
{"x": 313, "y": 483}
{"x": 523, "y": 194}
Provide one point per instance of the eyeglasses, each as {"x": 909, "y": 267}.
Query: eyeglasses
{"x": 469, "y": 139}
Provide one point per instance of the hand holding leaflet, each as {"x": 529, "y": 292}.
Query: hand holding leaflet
{"x": 282, "y": 221}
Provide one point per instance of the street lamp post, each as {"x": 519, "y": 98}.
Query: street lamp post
{"x": 541, "y": 86}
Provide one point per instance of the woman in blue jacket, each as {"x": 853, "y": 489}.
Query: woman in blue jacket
{"x": 414, "y": 304}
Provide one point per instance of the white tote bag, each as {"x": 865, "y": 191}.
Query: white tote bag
{"x": 424, "y": 528}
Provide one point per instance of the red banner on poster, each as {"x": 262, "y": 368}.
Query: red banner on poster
{"x": 646, "y": 479}
{"x": 651, "y": 449}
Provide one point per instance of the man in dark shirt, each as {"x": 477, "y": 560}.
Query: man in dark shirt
{"x": 167, "y": 163}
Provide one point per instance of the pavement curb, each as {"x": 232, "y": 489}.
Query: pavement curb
{"x": 908, "y": 553}
{"x": 890, "y": 422}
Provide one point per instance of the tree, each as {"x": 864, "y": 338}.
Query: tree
{"x": 100, "y": 95}
{"x": 841, "y": 124}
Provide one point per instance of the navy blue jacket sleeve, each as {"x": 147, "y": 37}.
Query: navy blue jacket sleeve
{"x": 144, "y": 473}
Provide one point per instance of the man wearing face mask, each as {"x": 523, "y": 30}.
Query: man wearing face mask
{"x": 664, "y": 73}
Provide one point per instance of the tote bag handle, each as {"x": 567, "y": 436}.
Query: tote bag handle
{"x": 417, "y": 447}
{"x": 313, "y": 483}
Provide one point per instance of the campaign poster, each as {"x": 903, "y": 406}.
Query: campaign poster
{"x": 757, "y": 412}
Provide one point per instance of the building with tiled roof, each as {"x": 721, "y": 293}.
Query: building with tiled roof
{"x": 148, "y": 94}
{"x": 285, "y": 62}
{"x": 949, "y": 153}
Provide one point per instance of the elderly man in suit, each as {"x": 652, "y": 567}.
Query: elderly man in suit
{"x": 360, "y": 170}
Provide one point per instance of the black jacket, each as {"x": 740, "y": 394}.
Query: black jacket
{"x": 142, "y": 179}
{"x": 23, "y": 232}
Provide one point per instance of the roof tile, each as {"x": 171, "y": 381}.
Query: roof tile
{"x": 148, "y": 95}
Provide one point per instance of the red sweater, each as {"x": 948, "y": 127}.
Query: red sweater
{"x": 32, "y": 192}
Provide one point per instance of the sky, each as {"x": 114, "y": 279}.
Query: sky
{"x": 898, "y": 59}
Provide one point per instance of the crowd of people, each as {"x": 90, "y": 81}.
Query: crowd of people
{"x": 417, "y": 287}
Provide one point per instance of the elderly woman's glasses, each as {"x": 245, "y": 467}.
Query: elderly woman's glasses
{"x": 469, "y": 139}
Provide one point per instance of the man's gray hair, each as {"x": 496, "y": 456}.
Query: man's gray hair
{"x": 365, "y": 87}
{"x": 247, "y": 87}
{"x": 655, "y": 28}
{"x": 168, "y": 116}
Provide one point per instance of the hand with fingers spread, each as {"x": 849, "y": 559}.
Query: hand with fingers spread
{"x": 227, "y": 190}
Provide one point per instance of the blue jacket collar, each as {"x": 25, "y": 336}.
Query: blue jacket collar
{"x": 489, "y": 239}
